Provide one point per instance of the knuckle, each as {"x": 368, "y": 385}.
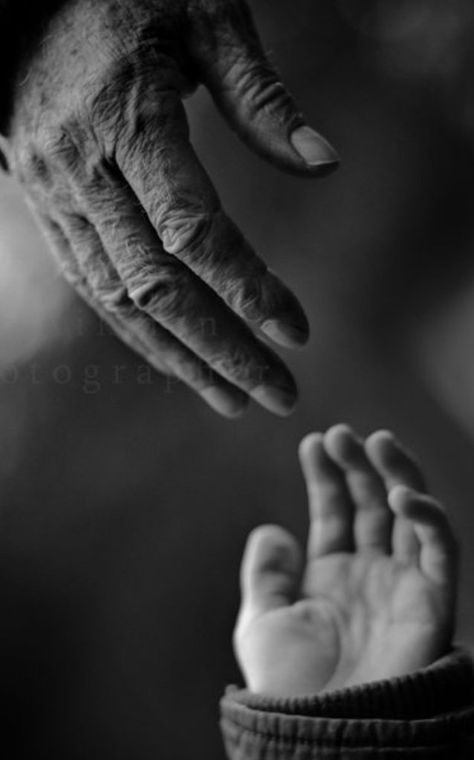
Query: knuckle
{"x": 101, "y": 272}
{"x": 262, "y": 92}
{"x": 132, "y": 102}
{"x": 256, "y": 78}
{"x": 32, "y": 166}
{"x": 68, "y": 153}
{"x": 43, "y": 164}
{"x": 164, "y": 293}
{"x": 247, "y": 296}
{"x": 100, "y": 180}
{"x": 112, "y": 295}
{"x": 59, "y": 147}
{"x": 81, "y": 159}
{"x": 213, "y": 246}
{"x": 186, "y": 231}
{"x": 69, "y": 270}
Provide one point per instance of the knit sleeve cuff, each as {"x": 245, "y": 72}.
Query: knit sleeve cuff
{"x": 426, "y": 709}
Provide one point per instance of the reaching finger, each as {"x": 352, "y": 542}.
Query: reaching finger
{"x": 231, "y": 62}
{"x": 176, "y": 299}
{"x": 270, "y": 572}
{"x": 331, "y": 509}
{"x": 394, "y": 464}
{"x": 86, "y": 266}
{"x": 373, "y": 519}
{"x": 162, "y": 169}
{"x": 397, "y": 467}
{"x": 438, "y": 552}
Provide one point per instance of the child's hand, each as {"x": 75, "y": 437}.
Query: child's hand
{"x": 376, "y": 596}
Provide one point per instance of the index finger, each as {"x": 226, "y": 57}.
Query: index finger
{"x": 161, "y": 167}
{"x": 438, "y": 552}
{"x": 330, "y": 506}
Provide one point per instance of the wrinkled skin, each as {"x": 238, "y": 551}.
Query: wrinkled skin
{"x": 98, "y": 138}
{"x": 375, "y": 598}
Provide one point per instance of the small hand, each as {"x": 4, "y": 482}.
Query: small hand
{"x": 98, "y": 138}
{"x": 376, "y": 596}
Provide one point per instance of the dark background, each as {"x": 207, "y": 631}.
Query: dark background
{"x": 124, "y": 502}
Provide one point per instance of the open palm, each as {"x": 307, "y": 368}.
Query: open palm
{"x": 375, "y": 598}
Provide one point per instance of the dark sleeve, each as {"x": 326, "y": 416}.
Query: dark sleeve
{"x": 22, "y": 26}
{"x": 427, "y": 714}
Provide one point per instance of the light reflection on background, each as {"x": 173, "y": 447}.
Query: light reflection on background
{"x": 32, "y": 297}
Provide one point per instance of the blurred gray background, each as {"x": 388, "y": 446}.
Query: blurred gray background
{"x": 125, "y": 503}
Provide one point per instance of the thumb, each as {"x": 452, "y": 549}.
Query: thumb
{"x": 270, "y": 572}
{"x": 248, "y": 90}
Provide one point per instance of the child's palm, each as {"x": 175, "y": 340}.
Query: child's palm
{"x": 363, "y": 615}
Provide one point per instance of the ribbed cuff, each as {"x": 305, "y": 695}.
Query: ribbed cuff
{"x": 443, "y": 687}
{"x": 430, "y": 708}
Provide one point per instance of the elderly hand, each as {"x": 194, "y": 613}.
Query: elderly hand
{"x": 375, "y": 598}
{"x": 99, "y": 140}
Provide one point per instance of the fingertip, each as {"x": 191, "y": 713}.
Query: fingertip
{"x": 340, "y": 428}
{"x": 270, "y": 550}
{"x": 309, "y": 441}
{"x": 337, "y": 439}
{"x": 229, "y": 405}
{"x": 379, "y": 439}
{"x": 416, "y": 506}
{"x": 270, "y": 572}
{"x": 268, "y": 537}
{"x": 285, "y": 320}
{"x": 438, "y": 546}
{"x": 308, "y": 447}
{"x": 401, "y": 497}
{"x": 313, "y": 149}
{"x": 279, "y": 401}
{"x": 285, "y": 334}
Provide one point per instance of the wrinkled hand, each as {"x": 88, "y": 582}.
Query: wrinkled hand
{"x": 98, "y": 138}
{"x": 376, "y": 597}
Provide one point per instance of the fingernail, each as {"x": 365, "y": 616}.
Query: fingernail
{"x": 286, "y": 335}
{"x": 224, "y": 403}
{"x": 313, "y": 148}
{"x": 276, "y": 400}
